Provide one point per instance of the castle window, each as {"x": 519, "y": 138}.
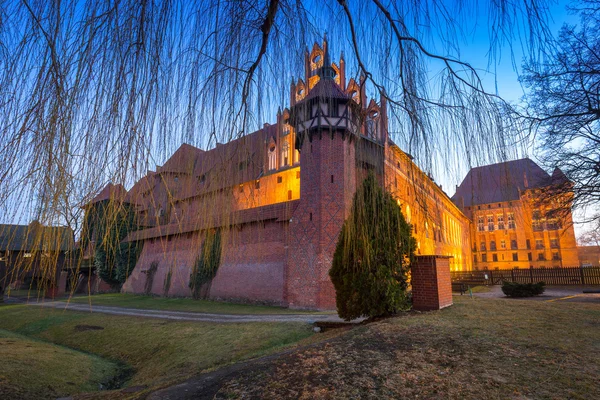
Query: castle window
{"x": 331, "y": 178}
{"x": 257, "y": 185}
{"x": 475, "y": 258}
{"x": 490, "y": 221}
{"x": 272, "y": 158}
{"x": 279, "y": 179}
{"x": 480, "y": 224}
{"x": 528, "y": 244}
{"x": 372, "y": 125}
{"x": 202, "y": 178}
{"x": 503, "y": 244}
{"x": 242, "y": 188}
{"x": 484, "y": 258}
{"x": 297, "y": 174}
{"x": 493, "y": 245}
{"x": 515, "y": 256}
{"x": 511, "y": 221}
{"x": 285, "y": 155}
{"x": 552, "y": 225}
{"x": 555, "y": 255}
{"x": 482, "y": 246}
{"x": 554, "y": 243}
{"x": 289, "y": 194}
{"x": 539, "y": 243}
{"x": 541, "y": 257}
{"x": 495, "y": 257}
{"x": 500, "y": 218}
{"x": 529, "y": 256}
{"x": 513, "y": 244}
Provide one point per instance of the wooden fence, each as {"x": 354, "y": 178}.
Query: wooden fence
{"x": 551, "y": 276}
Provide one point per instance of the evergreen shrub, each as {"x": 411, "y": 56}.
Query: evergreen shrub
{"x": 373, "y": 254}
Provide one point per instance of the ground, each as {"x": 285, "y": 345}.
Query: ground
{"x": 150, "y": 352}
{"x": 478, "y": 348}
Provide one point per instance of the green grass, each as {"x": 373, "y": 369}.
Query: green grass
{"x": 181, "y": 304}
{"x": 32, "y": 369}
{"x": 160, "y": 352}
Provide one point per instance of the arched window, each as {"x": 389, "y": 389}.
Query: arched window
{"x": 285, "y": 154}
{"x": 373, "y": 125}
{"x": 272, "y": 159}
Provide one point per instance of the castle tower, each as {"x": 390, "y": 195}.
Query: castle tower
{"x": 326, "y": 126}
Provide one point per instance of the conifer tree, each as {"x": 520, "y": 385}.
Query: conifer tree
{"x": 372, "y": 257}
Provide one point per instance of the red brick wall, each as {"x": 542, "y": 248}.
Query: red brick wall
{"x": 431, "y": 283}
{"x": 312, "y": 241}
{"x": 252, "y": 264}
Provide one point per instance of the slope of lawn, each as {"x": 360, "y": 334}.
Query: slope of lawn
{"x": 157, "y": 351}
{"x": 476, "y": 349}
{"x": 32, "y": 369}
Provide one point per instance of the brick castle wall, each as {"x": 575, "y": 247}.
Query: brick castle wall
{"x": 327, "y": 186}
{"x": 252, "y": 264}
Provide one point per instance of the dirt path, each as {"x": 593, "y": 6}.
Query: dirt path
{"x": 192, "y": 316}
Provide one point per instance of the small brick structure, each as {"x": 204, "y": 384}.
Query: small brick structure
{"x": 431, "y": 283}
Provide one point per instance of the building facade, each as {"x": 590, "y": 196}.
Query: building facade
{"x": 32, "y": 256}
{"x": 515, "y": 223}
{"x": 280, "y": 195}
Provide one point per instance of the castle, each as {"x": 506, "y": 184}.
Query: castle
{"x": 280, "y": 196}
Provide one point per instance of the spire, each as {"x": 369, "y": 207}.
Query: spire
{"x": 326, "y": 71}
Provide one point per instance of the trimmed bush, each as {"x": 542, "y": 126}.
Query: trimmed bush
{"x": 372, "y": 257}
{"x": 514, "y": 289}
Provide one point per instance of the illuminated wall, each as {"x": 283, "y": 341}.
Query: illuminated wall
{"x": 438, "y": 225}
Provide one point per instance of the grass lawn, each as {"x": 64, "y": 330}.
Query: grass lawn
{"x": 180, "y": 304}
{"x": 159, "y": 352}
{"x": 35, "y": 369}
{"x": 476, "y": 349}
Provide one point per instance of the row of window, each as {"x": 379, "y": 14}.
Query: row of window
{"x": 539, "y": 244}
{"x": 497, "y": 224}
{"x": 286, "y": 160}
{"x": 489, "y": 206}
{"x": 515, "y": 257}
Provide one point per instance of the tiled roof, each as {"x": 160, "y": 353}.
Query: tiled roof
{"x": 145, "y": 184}
{"x": 35, "y": 237}
{"x": 110, "y": 192}
{"x": 183, "y": 160}
{"x": 327, "y": 88}
{"x": 280, "y": 212}
{"x": 500, "y": 182}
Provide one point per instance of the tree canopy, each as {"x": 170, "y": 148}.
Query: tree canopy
{"x": 95, "y": 91}
{"x": 564, "y": 106}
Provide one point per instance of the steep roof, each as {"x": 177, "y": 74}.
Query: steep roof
{"x": 35, "y": 237}
{"x": 183, "y": 160}
{"x": 327, "y": 88}
{"x": 110, "y": 192}
{"x": 145, "y": 184}
{"x": 500, "y": 182}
